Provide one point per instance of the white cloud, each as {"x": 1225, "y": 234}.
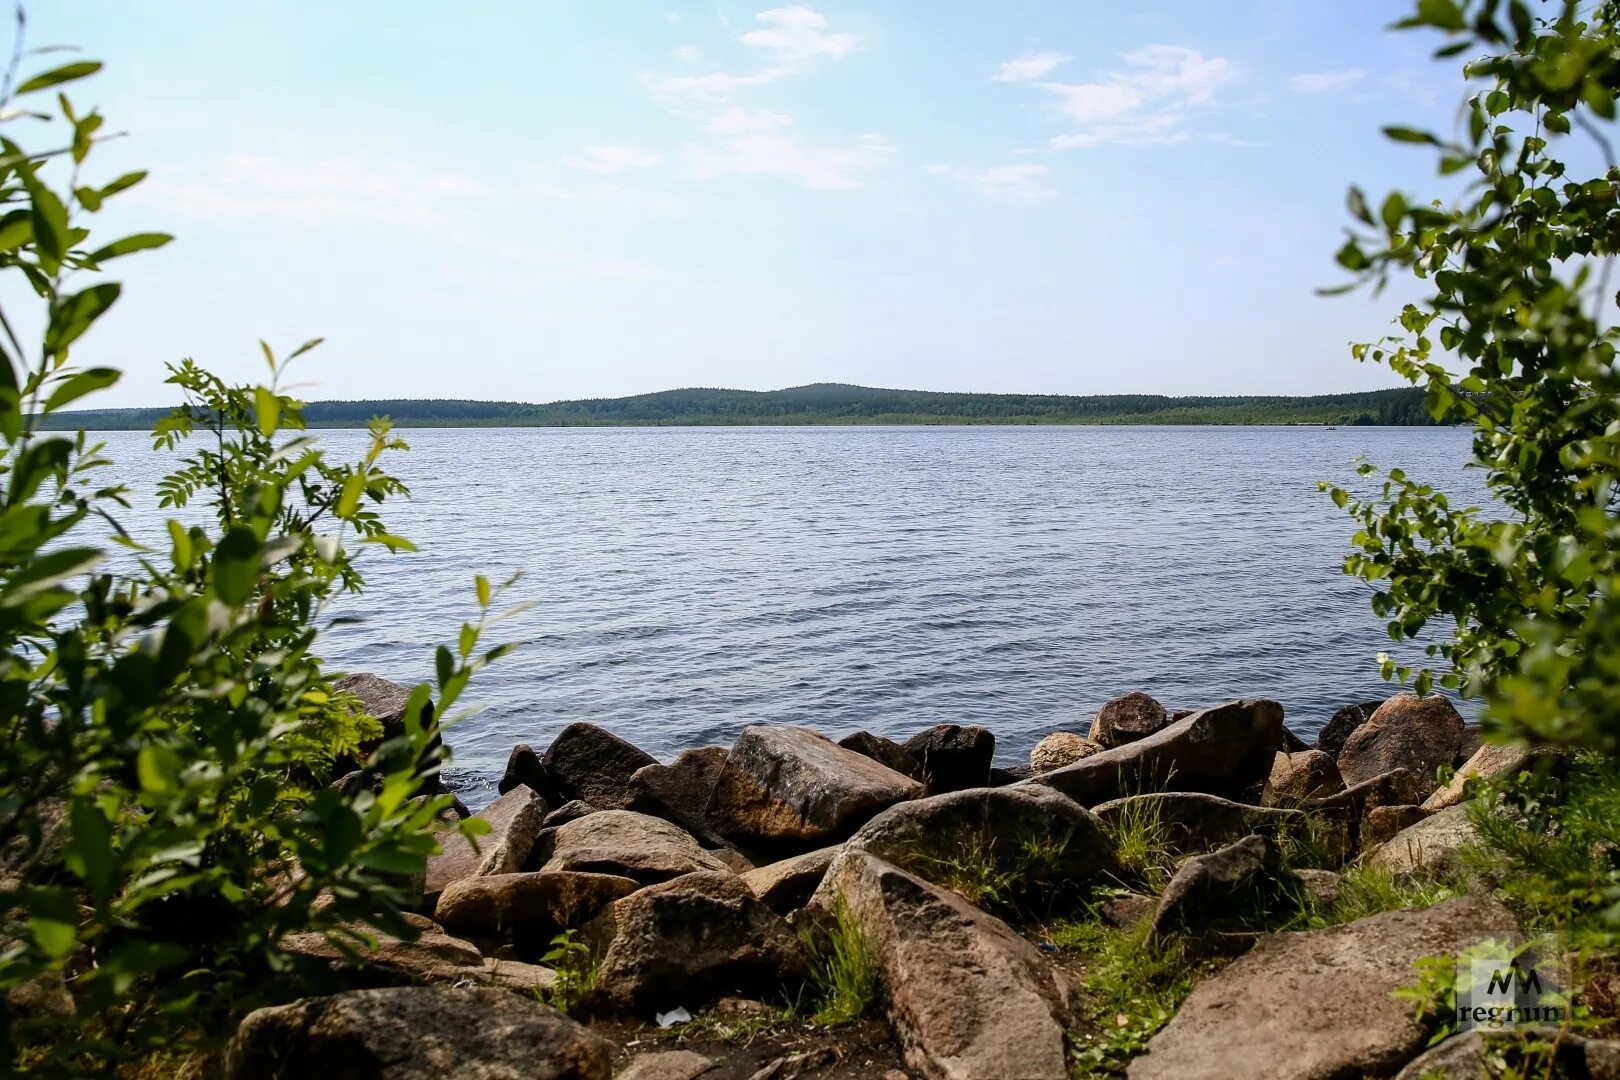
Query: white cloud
{"x": 1147, "y": 101}
{"x": 785, "y": 156}
{"x": 613, "y": 159}
{"x": 1322, "y": 81}
{"x": 791, "y": 39}
{"x": 1027, "y": 180}
{"x": 738, "y": 120}
{"x": 1030, "y": 67}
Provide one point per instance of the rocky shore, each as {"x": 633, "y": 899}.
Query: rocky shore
{"x": 681, "y": 911}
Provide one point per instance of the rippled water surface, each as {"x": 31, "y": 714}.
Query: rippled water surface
{"x": 687, "y": 582}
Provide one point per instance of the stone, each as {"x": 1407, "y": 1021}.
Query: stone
{"x": 789, "y": 787}
{"x": 1472, "y": 739}
{"x": 1406, "y": 732}
{"x": 1124, "y": 912}
{"x": 1191, "y": 823}
{"x": 968, "y": 998}
{"x": 1291, "y": 743}
{"x": 1318, "y": 1003}
{"x": 1127, "y": 719}
{"x": 534, "y": 906}
{"x": 788, "y": 884}
{"x": 530, "y": 979}
{"x": 1308, "y": 774}
{"x": 416, "y": 1033}
{"x": 1330, "y": 740}
{"x": 1321, "y": 886}
{"x": 433, "y": 957}
{"x": 587, "y": 762}
{"x": 1038, "y": 840}
{"x": 687, "y": 941}
{"x": 1468, "y": 1056}
{"x": 680, "y": 791}
{"x": 884, "y": 752}
{"x": 1219, "y": 751}
{"x": 523, "y": 767}
{"x": 1383, "y": 822}
{"x": 1432, "y": 844}
{"x": 735, "y": 861}
{"x": 1398, "y": 787}
{"x": 568, "y": 811}
{"x": 669, "y": 1065}
{"x": 954, "y": 757}
{"x": 1012, "y": 774}
{"x": 1488, "y": 762}
{"x": 1223, "y": 887}
{"x": 385, "y": 701}
{"x": 626, "y": 844}
{"x": 514, "y": 821}
{"x": 1059, "y": 749}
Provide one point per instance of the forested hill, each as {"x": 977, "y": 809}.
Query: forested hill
{"x": 836, "y": 403}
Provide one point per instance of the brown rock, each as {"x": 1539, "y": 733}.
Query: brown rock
{"x": 523, "y": 767}
{"x": 1126, "y": 719}
{"x": 954, "y": 757}
{"x": 1124, "y": 912}
{"x": 536, "y": 905}
{"x": 1330, "y": 740}
{"x": 1321, "y": 886}
{"x": 514, "y": 821}
{"x": 1487, "y": 763}
{"x": 1468, "y": 1056}
{"x": 680, "y": 791}
{"x": 1406, "y": 732}
{"x": 589, "y": 763}
{"x": 433, "y": 957}
{"x": 787, "y": 885}
{"x": 1432, "y": 844}
{"x": 626, "y": 844}
{"x": 1225, "y": 886}
{"x": 1472, "y": 739}
{"x": 669, "y": 1065}
{"x": 1308, "y": 774}
{"x": 1383, "y": 822}
{"x": 1191, "y": 823}
{"x": 385, "y": 701}
{"x": 1059, "y": 749}
{"x": 568, "y": 811}
{"x": 884, "y": 752}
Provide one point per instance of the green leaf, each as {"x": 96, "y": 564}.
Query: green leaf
{"x": 1443, "y": 14}
{"x": 47, "y": 571}
{"x": 157, "y": 767}
{"x": 1410, "y": 135}
{"x": 267, "y": 408}
{"x": 349, "y": 498}
{"x": 50, "y": 218}
{"x": 1392, "y": 211}
{"x": 481, "y": 583}
{"x": 136, "y": 242}
{"x": 123, "y": 183}
{"x": 57, "y": 76}
{"x": 236, "y": 565}
{"x": 74, "y": 316}
{"x": 78, "y": 384}
{"x": 55, "y": 937}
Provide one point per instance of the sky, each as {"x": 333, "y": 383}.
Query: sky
{"x": 546, "y": 200}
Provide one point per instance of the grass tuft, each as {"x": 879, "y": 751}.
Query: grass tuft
{"x": 843, "y": 970}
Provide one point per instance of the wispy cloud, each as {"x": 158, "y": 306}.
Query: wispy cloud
{"x": 1030, "y": 67}
{"x": 782, "y": 154}
{"x": 609, "y": 159}
{"x": 1322, "y": 81}
{"x": 1026, "y": 180}
{"x": 790, "y": 40}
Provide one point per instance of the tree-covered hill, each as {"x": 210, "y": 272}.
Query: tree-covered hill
{"x": 837, "y": 403}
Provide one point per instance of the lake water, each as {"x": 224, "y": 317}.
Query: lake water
{"x": 690, "y": 581}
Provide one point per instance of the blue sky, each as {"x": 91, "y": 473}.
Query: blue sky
{"x": 545, "y": 200}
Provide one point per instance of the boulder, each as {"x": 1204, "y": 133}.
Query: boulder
{"x": 1127, "y": 719}
{"x": 568, "y": 811}
{"x": 1190, "y": 823}
{"x": 1330, "y": 740}
{"x": 884, "y": 752}
{"x": 416, "y": 1033}
{"x": 790, "y": 787}
{"x": 1059, "y": 749}
{"x": 1225, "y": 887}
{"x": 680, "y": 791}
{"x": 1431, "y": 844}
{"x": 1291, "y": 743}
{"x": 1406, "y": 732}
{"x": 589, "y": 763}
{"x": 523, "y": 767}
{"x": 1012, "y": 774}
{"x": 1220, "y": 751}
{"x": 385, "y": 701}
{"x": 669, "y": 1065}
{"x": 1321, "y": 886}
{"x": 1399, "y": 787}
{"x": 1383, "y": 822}
{"x": 530, "y": 979}
{"x": 687, "y": 941}
{"x": 625, "y": 844}
{"x": 787, "y": 885}
{"x": 533, "y": 906}
{"x": 1308, "y": 774}
{"x": 1017, "y": 841}
{"x": 1473, "y": 737}
{"x": 968, "y": 998}
{"x": 434, "y": 957}
{"x": 1488, "y": 762}
{"x": 953, "y": 757}
{"x": 514, "y": 824}
{"x": 1125, "y": 911}
{"x": 1318, "y": 1003}
{"x": 1475, "y": 1054}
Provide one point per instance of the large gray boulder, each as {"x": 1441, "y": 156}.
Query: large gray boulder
{"x": 954, "y": 757}
{"x": 1406, "y": 732}
{"x": 514, "y": 820}
{"x": 687, "y": 941}
{"x": 625, "y": 844}
{"x": 1126, "y": 719}
{"x": 1221, "y": 751}
{"x": 680, "y": 791}
{"x": 791, "y": 787}
{"x": 788, "y": 884}
{"x": 968, "y": 998}
{"x": 589, "y": 763}
{"x": 533, "y": 906}
{"x": 1035, "y": 841}
{"x": 1225, "y": 887}
{"x": 667, "y": 1065}
{"x": 1190, "y": 823}
{"x": 416, "y": 1033}
{"x": 1318, "y": 1004}
{"x": 1433, "y": 844}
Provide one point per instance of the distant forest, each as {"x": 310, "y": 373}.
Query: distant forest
{"x": 835, "y": 403}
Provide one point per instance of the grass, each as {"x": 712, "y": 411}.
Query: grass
{"x": 1366, "y": 890}
{"x": 843, "y": 970}
{"x": 738, "y": 1029}
{"x": 990, "y": 875}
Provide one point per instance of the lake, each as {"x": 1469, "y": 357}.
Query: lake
{"x": 689, "y": 581}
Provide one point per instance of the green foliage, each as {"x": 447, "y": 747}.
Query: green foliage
{"x": 1132, "y": 986}
{"x": 570, "y": 959}
{"x": 1147, "y": 857}
{"x": 1365, "y": 889}
{"x": 1510, "y": 339}
{"x": 843, "y": 969}
{"x": 998, "y": 874}
{"x": 171, "y": 735}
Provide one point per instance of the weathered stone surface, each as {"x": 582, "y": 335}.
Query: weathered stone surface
{"x": 789, "y": 786}
{"x": 1317, "y": 1004}
{"x": 1330, "y": 740}
{"x": 670, "y": 1065}
{"x": 587, "y": 762}
{"x": 1291, "y": 743}
{"x": 1059, "y": 749}
{"x": 1012, "y": 774}
{"x": 1488, "y": 762}
{"x": 1466, "y": 1056}
{"x": 1406, "y": 732}
{"x": 1126, "y": 911}
{"x": 536, "y": 905}
{"x": 1472, "y": 739}
{"x": 523, "y": 767}
{"x": 954, "y": 757}
{"x": 416, "y": 1033}
{"x": 433, "y": 957}
{"x": 514, "y": 821}
{"x": 1308, "y": 774}
{"x": 884, "y": 752}
{"x": 735, "y": 861}
{"x": 515, "y": 975}
{"x": 1383, "y": 822}
{"x": 969, "y": 999}
{"x": 1321, "y": 886}
{"x": 385, "y": 700}
{"x": 1126, "y": 719}
{"x": 1042, "y": 839}
{"x": 680, "y": 791}
{"x": 1224, "y": 886}
{"x": 1431, "y": 844}
{"x": 626, "y": 844}
{"x": 787, "y": 885}
{"x": 1399, "y": 787}
{"x": 686, "y": 941}
{"x": 1220, "y": 751}
{"x": 1194, "y": 823}
{"x": 568, "y": 811}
